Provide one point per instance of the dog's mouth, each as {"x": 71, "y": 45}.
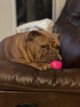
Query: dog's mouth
{"x": 54, "y": 57}
{"x": 49, "y": 58}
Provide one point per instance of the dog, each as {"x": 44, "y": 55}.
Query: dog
{"x": 35, "y": 48}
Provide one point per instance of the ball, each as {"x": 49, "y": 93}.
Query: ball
{"x": 56, "y": 64}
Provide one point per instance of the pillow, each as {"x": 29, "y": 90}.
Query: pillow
{"x": 45, "y": 24}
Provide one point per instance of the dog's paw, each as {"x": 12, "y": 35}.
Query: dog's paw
{"x": 40, "y": 66}
{"x": 45, "y": 67}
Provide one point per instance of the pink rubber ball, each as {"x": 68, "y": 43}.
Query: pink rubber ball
{"x": 56, "y": 64}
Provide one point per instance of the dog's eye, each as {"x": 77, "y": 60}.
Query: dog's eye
{"x": 43, "y": 46}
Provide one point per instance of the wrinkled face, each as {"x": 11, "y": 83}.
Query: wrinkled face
{"x": 43, "y": 46}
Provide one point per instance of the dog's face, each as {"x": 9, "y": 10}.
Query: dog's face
{"x": 43, "y": 46}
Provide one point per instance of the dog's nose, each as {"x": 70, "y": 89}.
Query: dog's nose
{"x": 55, "y": 54}
{"x": 52, "y": 52}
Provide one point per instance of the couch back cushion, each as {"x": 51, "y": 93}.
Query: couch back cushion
{"x": 68, "y": 26}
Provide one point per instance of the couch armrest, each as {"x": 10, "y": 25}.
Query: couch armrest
{"x": 20, "y": 77}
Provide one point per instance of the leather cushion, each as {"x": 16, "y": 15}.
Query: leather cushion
{"x": 19, "y": 77}
{"x": 69, "y": 30}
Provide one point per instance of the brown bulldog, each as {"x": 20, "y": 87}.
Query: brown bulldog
{"x": 34, "y": 48}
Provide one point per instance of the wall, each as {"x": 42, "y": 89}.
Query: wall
{"x": 6, "y": 18}
{"x": 57, "y": 8}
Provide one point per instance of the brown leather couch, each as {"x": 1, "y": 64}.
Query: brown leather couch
{"x": 68, "y": 26}
{"x": 24, "y": 86}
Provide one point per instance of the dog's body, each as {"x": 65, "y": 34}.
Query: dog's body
{"x": 35, "y": 48}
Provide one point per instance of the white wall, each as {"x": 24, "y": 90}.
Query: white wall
{"x": 57, "y": 8}
{"x": 6, "y": 18}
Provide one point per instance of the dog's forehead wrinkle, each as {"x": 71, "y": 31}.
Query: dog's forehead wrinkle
{"x": 43, "y": 42}
{"x": 41, "y": 38}
{"x": 45, "y": 39}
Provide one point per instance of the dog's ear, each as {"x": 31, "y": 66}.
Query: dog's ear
{"x": 32, "y": 34}
{"x": 57, "y": 36}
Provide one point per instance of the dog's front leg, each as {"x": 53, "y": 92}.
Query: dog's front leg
{"x": 40, "y": 66}
{"x": 45, "y": 66}
{"x": 37, "y": 65}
